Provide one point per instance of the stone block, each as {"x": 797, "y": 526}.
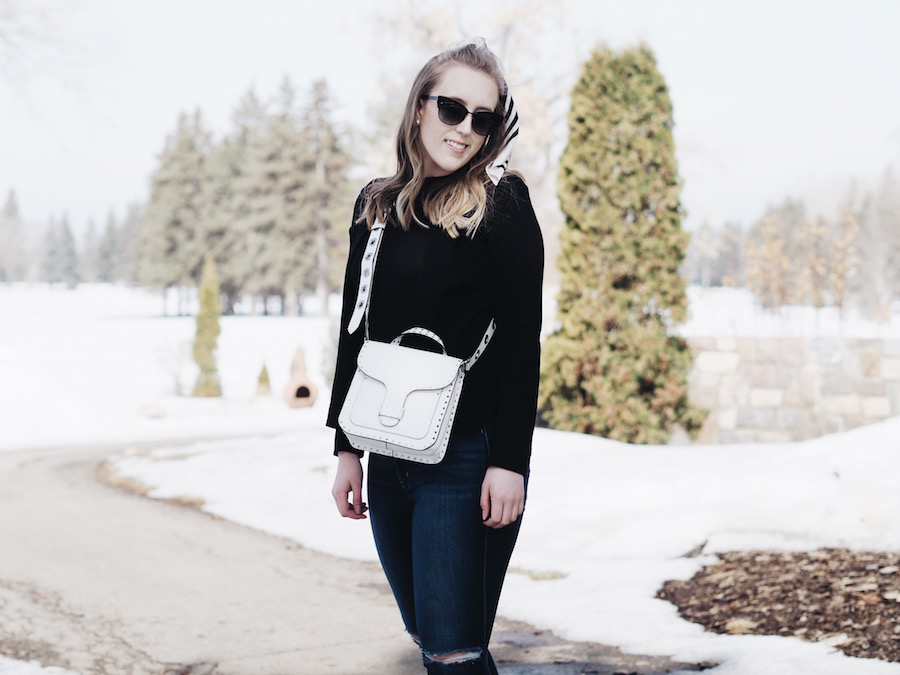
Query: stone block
{"x": 871, "y": 363}
{"x": 766, "y": 397}
{"x": 834, "y": 382}
{"x": 893, "y": 393}
{"x": 727, "y": 418}
{"x": 890, "y": 348}
{"x": 826, "y": 351}
{"x": 717, "y": 362}
{"x": 730, "y": 389}
{"x": 791, "y": 351}
{"x": 771, "y": 436}
{"x": 877, "y": 407}
{"x": 727, "y": 437}
{"x": 767, "y": 351}
{"x": 746, "y": 347}
{"x": 709, "y": 432}
{"x": 846, "y": 406}
{"x": 761, "y": 374}
{"x": 870, "y": 388}
{"x": 809, "y": 387}
{"x": 755, "y": 419}
{"x": 726, "y": 344}
{"x": 702, "y": 344}
{"x": 705, "y": 397}
{"x": 890, "y": 368}
{"x": 708, "y": 380}
{"x": 739, "y": 436}
{"x": 852, "y": 364}
{"x": 793, "y": 397}
{"x": 786, "y": 419}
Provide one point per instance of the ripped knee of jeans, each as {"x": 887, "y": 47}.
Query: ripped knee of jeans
{"x": 454, "y": 657}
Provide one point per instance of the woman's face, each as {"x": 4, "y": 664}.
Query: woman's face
{"x": 449, "y": 148}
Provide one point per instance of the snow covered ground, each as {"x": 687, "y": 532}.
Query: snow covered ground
{"x": 606, "y": 523}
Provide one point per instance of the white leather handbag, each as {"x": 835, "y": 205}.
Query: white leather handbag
{"x": 401, "y": 401}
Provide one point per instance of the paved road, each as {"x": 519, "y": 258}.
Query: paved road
{"x": 101, "y": 581}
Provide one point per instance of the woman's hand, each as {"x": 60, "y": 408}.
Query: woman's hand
{"x": 349, "y": 480}
{"x": 502, "y": 497}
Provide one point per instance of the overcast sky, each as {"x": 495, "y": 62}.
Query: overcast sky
{"x": 772, "y": 99}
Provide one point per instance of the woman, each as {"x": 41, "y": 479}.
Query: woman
{"x": 461, "y": 246}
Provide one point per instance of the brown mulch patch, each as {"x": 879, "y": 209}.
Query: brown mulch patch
{"x": 851, "y": 598}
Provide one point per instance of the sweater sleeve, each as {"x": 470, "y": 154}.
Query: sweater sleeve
{"x": 516, "y": 260}
{"x": 348, "y": 344}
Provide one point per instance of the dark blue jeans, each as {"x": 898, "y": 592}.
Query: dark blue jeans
{"x": 445, "y": 567}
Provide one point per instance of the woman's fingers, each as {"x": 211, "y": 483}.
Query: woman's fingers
{"x": 502, "y": 497}
{"x": 347, "y": 482}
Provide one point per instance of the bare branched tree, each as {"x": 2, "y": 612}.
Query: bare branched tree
{"x": 406, "y": 33}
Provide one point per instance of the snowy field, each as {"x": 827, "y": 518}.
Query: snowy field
{"x": 606, "y": 523}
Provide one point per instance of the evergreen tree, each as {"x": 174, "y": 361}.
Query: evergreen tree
{"x": 879, "y": 246}
{"x": 272, "y": 223}
{"x": 843, "y": 262}
{"x": 263, "y": 386}
{"x": 206, "y": 337}
{"x": 11, "y": 207}
{"x": 325, "y": 194}
{"x": 612, "y": 368}
{"x": 171, "y": 247}
{"x": 12, "y": 245}
{"x": 68, "y": 255}
{"x": 90, "y": 253}
{"x": 226, "y": 201}
{"x": 50, "y": 259}
{"x": 60, "y": 261}
{"x": 126, "y": 242}
{"x": 106, "y": 252}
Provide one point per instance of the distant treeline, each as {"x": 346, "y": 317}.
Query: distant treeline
{"x": 790, "y": 256}
{"x": 268, "y": 202}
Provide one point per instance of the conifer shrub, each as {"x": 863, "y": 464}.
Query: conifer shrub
{"x": 263, "y": 386}
{"x": 613, "y": 367}
{"x": 206, "y": 338}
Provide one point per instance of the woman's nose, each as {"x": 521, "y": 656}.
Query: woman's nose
{"x": 465, "y": 126}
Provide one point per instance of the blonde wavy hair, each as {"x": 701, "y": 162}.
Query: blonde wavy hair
{"x": 457, "y": 205}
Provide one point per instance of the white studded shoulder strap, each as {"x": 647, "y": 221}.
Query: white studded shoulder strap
{"x": 366, "y": 273}
{"x": 366, "y": 276}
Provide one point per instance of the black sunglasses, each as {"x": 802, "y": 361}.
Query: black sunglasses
{"x": 452, "y": 112}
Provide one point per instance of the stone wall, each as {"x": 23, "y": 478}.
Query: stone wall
{"x": 787, "y": 389}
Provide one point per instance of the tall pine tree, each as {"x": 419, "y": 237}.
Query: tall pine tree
{"x": 226, "y": 201}
{"x": 614, "y": 368}
{"x": 60, "y": 262}
{"x": 171, "y": 247}
{"x": 325, "y": 195}
{"x": 12, "y": 245}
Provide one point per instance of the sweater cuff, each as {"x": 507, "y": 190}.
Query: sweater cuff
{"x": 341, "y": 444}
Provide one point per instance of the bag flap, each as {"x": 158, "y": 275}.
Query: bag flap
{"x": 404, "y": 368}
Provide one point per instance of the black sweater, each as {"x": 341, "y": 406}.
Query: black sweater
{"x": 454, "y": 287}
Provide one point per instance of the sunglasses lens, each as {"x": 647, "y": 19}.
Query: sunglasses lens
{"x": 451, "y": 112}
{"x": 484, "y": 123}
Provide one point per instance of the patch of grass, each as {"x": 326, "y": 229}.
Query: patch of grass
{"x": 545, "y": 575}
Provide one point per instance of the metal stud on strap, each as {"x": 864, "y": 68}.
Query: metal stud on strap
{"x": 367, "y": 267}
